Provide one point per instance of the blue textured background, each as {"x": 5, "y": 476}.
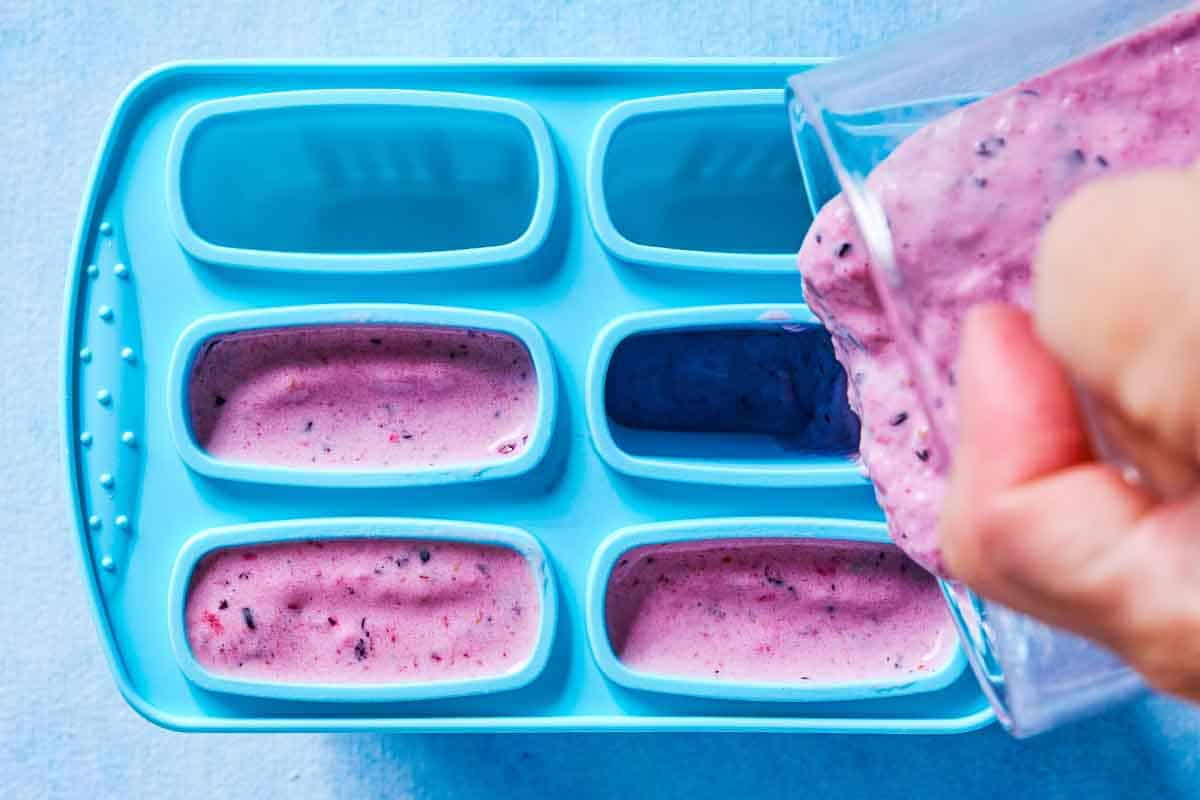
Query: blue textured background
{"x": 65, "y": 732}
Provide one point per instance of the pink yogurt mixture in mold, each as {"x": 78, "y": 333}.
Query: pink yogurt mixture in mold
{"x": 363, "y": 611}
{"x": 363, "y": 396}
{"x": 966, "y": 199}
{"x": 777, "y": 611}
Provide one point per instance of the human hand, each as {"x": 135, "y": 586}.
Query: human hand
{"x": 1032, "y": 519}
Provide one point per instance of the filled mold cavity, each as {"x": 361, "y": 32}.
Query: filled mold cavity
{"x": 756, "y": 394}
{"x": 777, "y": 611}
{"x": 713, "y": 179}
{"x": 359, "y": 179}
{"x": 348, "y": 396}
{"x": 363, "y": 611}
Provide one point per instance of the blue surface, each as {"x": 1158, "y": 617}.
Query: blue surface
{"x": 67, "y": 733}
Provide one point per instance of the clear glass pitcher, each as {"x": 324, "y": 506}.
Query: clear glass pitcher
{"x": 846, "y": 118}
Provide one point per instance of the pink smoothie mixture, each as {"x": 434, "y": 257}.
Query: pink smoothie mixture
{"x": 777, "y": 611}
{"x": 363, "y": 396}
{"x": 967, "y": 198}
{"x": 363, "y": 611}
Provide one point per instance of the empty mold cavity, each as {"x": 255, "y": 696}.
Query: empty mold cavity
{"x": 776, "y": 614}
{"x": 344, "y": 604}
{"x": 355, "y": 399}
{"x": 706, "y": 180}
{"x": 324, "y": 179}
{"x": 685, "y": 397}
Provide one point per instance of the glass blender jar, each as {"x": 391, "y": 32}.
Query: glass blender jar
{"x": 846, "y": 118}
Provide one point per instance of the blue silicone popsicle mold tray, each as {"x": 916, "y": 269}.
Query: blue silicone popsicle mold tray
{"x": 569, "y": 204}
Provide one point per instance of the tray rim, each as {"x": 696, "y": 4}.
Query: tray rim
{"x": 123, "y": 108}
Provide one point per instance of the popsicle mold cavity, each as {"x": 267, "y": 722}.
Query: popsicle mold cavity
{"x": 747, "y": 395}
{"x": 704, "y": 180}
{"x": 768, "y": 609}
{"x": 362, "y": 179}
{"x": 362, "y": 395}
{"x": 362, "y": 611}
{"x": 782, "y": 384}
{"x": 780, "y": 611}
